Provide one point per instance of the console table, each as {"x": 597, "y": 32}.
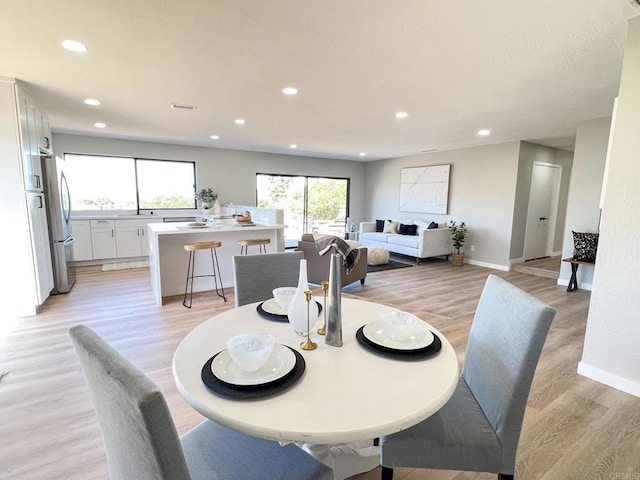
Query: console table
{"x": 573, "y": 282}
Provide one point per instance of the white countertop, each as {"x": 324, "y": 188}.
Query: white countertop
{"x": 174, "y": 228}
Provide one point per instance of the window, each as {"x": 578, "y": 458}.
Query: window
{"x": 310, "y": 204}
{"x": 129, "y": 184}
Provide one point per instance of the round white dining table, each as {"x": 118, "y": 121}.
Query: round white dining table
{"x": 346, "y": 393}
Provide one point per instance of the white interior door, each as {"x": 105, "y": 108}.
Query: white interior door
{"x": 543, "y": 210}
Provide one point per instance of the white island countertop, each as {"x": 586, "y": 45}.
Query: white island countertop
{"x": 168, "y": 259}
{"x": 172, "y": 228}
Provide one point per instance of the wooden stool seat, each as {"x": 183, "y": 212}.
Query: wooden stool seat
{"x": 191, "y": 247}
{"x": 261, "y": 242}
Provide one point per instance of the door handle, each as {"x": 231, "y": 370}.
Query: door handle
{"x": 542, "y": 219}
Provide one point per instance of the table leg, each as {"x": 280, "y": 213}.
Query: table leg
{"x": 345, "y": 461}
{"x": 573, "y": 281}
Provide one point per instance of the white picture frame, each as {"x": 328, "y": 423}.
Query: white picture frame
{"x": 425, "y": 189}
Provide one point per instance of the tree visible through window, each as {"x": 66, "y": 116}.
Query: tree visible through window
{"x": 310, "y": 204}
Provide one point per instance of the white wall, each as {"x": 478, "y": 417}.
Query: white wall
{"x": 231, "y": 173}
{"x": 611, "y": 354}
{"x": 482, "y": 189}
{"x": 583, "y": 211}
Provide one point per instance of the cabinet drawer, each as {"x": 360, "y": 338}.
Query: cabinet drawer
{"x": 103, "y": 223}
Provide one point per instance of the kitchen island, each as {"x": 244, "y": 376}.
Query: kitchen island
{"x": 168, "y": 259}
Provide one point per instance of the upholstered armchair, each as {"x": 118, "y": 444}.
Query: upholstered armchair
{"x": 318, "y": 265}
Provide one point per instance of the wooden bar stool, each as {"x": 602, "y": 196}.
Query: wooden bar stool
{"x": 261, "y": 242}
{"x": 192, "y": 248}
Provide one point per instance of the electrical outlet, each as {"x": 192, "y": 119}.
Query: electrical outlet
{"x": 473, "y": 248}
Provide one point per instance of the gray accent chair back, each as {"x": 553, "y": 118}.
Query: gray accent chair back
{"x": 479, "y": 428}
{"x": 255, "y": 276}
{"x": 141, "y": 439}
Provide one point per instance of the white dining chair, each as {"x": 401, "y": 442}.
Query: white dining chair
{"x": 479, "y": 428}
{"x": 142, "y": 442}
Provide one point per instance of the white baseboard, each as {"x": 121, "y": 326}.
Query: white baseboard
{"x": 581, "y": 286}
{"x": 514, "y": 261}
{"x": 495, "y": 266}
{"x": 615, "y": 381}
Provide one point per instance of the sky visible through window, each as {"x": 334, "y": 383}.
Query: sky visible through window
{"x": 109, "y": 183}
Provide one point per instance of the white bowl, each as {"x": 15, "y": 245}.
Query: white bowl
{"x": 284, "y": 295}
{"x": 250, "y": 350}
{"x": 400, "y": 324}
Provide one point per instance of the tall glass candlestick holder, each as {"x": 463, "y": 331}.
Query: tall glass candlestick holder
{"x": 308, "y": 344}
{"x": 325, "y": 288}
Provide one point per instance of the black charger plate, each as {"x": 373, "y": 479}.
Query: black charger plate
{"x": 279, "y": 317}
{"x": 251, "y": 392}
{"x": 417, "y": 354}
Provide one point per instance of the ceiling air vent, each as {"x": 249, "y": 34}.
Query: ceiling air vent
{"x": 182, "y": 106}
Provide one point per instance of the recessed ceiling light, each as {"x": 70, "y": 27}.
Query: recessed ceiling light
{"x": 215, "y": 137}
{"x": 239, "y": 121}
{"x": 484, "y": 132}
{"x": 402, "y": 115}
{"x": 290, "y": 91}
{"x": 183, "y": 106}
{"x": 362, "y": 154}
{"x": 92, "y": 101}
{"x": 293, "y": 145}
{"x": 99, "y": 125}
{"x": 74, "y": 46}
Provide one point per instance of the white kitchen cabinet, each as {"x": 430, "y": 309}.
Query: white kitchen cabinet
{"x": 82, "y": 249}
{"x": 131, "y": 238}
{"x": 44, "y": 133}
{"x": 41, "y": 245}
{"x": 103, "y": 239}
{"x": 25, "y": 253}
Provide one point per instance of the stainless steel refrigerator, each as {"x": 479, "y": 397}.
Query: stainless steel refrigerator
{"x": 59, "y": 220}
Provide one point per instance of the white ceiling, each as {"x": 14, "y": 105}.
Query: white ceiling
{"x": 526, "y": 70}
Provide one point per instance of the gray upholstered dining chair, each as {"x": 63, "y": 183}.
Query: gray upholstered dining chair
{"x": 479, "y": 428}
{"x": 255, "y": 276}
{"x": 141, "y": 439}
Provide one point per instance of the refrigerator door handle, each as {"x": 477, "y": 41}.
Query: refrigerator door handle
{"x": 66, "y": 205}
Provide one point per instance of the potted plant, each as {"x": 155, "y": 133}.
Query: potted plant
{"x": 207, "y": 197}
{"x": 458, "y": 237}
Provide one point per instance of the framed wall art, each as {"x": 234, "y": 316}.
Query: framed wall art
{"x": 425, "y": 189}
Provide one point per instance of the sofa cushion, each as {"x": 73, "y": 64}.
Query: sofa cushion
{"x": 410, "y": 241}
{"x": 421, "y": 225}
{"x": 432, "y": 225}
{"x": 390, "y": 227}
{"x": 380, "y": 225}
{"x": 375, "y": 236}
{"x": 407, "y": 229}
{"x": 585, "y": 246}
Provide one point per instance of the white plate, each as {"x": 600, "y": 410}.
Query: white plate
{"x": 272, "y": 306}
{"x": 281, "y": 362}
{"x": 245, "y": 224}
{"x": 379, "y": 332}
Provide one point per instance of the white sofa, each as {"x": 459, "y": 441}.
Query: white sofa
{"x": 427, "y": 243}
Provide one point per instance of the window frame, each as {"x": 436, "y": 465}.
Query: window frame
{"x": 137, "y": 210}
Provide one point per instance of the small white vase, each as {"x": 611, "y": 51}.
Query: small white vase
{"x": 216, "y": 208}
{"x": 297, "y": 311}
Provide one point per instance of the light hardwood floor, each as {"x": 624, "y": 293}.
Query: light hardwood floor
{"x": 574, "y": 428}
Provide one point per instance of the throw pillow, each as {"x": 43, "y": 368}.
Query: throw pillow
{"x": 379, "y": 225}
{"x": 390, "y": 227}
{"x": 585, "y": 246}
{"x": 407, "y": 229}
{"x": 432, "y": 225}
